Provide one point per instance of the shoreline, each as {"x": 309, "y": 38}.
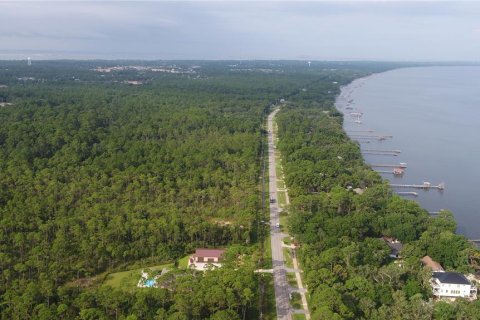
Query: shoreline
{"x": 343, "y": 100}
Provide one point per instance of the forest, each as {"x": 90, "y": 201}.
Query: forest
{"x": 347, "y": 267}
{"x": 102, "y": 170}
{"x": 105, "y": 171}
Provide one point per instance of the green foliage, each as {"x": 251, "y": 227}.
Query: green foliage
{"x": 347, "y": 266}
{"x": 98, "y": 175}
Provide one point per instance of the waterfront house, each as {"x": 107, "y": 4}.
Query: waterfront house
{"x": 452, "y": 285}
{"x": 204, "y": 258}
{"x": 449, "y": 285}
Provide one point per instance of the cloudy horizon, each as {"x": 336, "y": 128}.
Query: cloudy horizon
{"x": 394, "y": 31}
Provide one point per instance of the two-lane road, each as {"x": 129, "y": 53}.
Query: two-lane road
{"x": 279, "y": 273}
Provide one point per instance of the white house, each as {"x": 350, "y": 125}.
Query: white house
{"x": 452, "y": 285}
{"x": 204, "y": 258}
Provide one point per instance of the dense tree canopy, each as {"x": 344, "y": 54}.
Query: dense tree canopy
{"x": 348, "y": 270}
{"x": 101, "y": 170}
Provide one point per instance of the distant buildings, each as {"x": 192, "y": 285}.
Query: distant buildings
{"x": 204, "y": 258}
{"x": 166, "y": 69}
{"x": 449, "y": 285}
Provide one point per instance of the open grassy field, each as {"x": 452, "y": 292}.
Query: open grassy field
{"x": 269, "y": 311}
{"x": 282, "y": 202}
{"x": 127, "y": 280}
{"x": 183, "y": 262}
{"x": 299, "y": 316}
{"x": 287, "y": 255}
{"x": 283, "y": 221}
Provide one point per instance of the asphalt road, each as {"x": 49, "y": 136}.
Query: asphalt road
{"x": 279, "y": 272}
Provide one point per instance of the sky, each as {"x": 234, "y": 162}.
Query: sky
{"x": 223, "y": 30}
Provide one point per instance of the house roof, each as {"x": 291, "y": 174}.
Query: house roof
{"x": 434, "y": 265}
{"x": 210, "y": 253}
{"x": 451, "y": 277}
{"x": 394, "y": 244}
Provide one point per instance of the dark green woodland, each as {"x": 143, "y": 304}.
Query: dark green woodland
{"x": 102, "y": 172}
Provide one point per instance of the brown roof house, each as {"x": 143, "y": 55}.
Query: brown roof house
{"x": 202, "y": 259}
{"x": 432, "y": 264}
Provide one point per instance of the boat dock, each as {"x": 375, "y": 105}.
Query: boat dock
{"x": 400, "y": 165}
{"x": 366, "y": 131}
{"x": 379, "y": 150}
{"x": 371, "y": 136}
{"x": 395, "y": 171}
{"x": 408, "y": 193}
{"x": 381, "y": 153}
{"x": 426, "y": 185}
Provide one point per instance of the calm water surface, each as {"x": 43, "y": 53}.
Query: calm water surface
{"x": 433, "y": 114}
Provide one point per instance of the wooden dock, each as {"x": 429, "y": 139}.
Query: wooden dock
{"x": 397, "y": 151}
{"x": 381, "y": 153}
{"x": 371, "y": 136}
{"x": 425, "y": 185}
{"x": 408, "y": 193}
{"x": 400, "y": 165}
{"x": 435, "y": 213}
{"x": 367, "y": 131}
{"x": 395, "y": 171}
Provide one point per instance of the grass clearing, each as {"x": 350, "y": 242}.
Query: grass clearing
{"x": 292, "y": 280}
{"x": 296, "y": 301}
{"x": 282, "y": 202}
{"x": 267, "y": 262}
{"x": 283, "y": 221}
{"x": 287, "y": 255}
{"x": 287, "y": 240}
{"x": 127, "y": 280}
{"x": 183, "y": 262}
{"x": 269, "y": 310}
{"x": 299, "y": 316}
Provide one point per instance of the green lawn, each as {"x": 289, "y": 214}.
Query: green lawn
{"x": 296, "y": 301}
{"x": 183, "y": 262}
{"x": 269, "y": 311}
{"x": 288, "y": 257}
{"x": 292, "y": 280}
{"x": 283, "y": 221}
{"x": 299, "y": 316}
{"x": 267, "y": 262}
{"x": 127, "y": 280}
{"x": 282, "y": 202}
{"x": 287, "y": 240}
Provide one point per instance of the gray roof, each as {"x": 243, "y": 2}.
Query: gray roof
{"x": 451, "y": 277}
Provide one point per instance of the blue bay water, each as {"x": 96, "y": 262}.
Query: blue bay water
{"x": 433, "y": 114}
